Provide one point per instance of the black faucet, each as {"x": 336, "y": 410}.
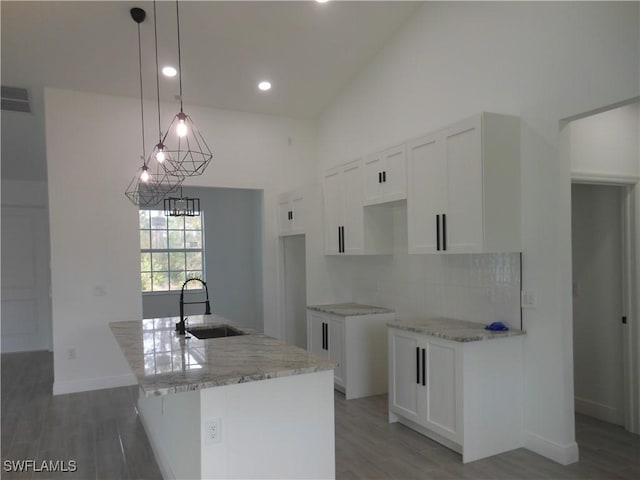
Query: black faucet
{"x": 207, "y": 309}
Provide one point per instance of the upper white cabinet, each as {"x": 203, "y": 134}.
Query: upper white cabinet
{"x": 385, "y": 176}
{"x": 291, "y": 213}
{"x": 463, "y": 192}
{"x": 348, "y": 227}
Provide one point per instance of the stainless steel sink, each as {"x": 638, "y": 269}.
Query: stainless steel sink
{"x": 214, "y": 331}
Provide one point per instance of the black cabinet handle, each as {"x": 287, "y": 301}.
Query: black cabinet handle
{"x": 379, "y": 177}
{"x": 444, "y": 231}
{"x": 438, "y": 232}
{"x": 384, "y": 177}
{"x": 418, "y": 365}
{"x": 326, "y": 336}
{"x": 339, "y": 239}
{"x": 423, "y": 368}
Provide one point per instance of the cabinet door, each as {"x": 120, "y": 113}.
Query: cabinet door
{"x": 426, "y": 193}
{"x": 333, "y": 209}
{"x": 464, "y": 221}
{"x": 443, "y": 405}
{"x": 373, "y": 166}
{"x": 404, "y": 383}
{"x": 353, "y": 208}
{"x": 395, "y": 173}
{"x": 297, "y": 213}
{"x": 336, "y": 348}
{"x": 316, "y": 334}
{"x": 284, "y": 224}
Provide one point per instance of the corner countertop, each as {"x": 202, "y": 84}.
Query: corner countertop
{"x": 349, "y": 309}
{"x": 451, "y": 329}
{"x": 163, "y": 362}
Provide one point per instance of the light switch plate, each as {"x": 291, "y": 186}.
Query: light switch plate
{"x": 528, "y": 299}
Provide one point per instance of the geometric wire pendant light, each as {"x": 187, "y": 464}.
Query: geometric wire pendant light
{"x": 151, "y": 183}
{"x": 188, "y": 149}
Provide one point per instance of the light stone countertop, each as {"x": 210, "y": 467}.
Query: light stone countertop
{"x": 349, "y": 309}
{"x": 455, "y": 330}
{"x": 163, "y": 362}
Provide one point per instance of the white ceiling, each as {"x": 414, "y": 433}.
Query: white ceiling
{"x": 309, "y": 51}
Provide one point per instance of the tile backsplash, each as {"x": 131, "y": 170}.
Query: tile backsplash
{"x": 478, "y": 287}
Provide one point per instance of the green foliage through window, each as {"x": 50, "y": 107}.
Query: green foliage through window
{"x": 171, "y": 250}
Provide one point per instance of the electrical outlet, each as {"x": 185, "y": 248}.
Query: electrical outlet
{"x": 212, "y": 431}
{"x": 71, "y": 354}
{"x": 528, "y": 299}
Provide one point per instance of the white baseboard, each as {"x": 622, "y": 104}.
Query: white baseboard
{"x": 86, "y": 384}
{"x": 599, "y": 411}
{"x": 563, "y": 454}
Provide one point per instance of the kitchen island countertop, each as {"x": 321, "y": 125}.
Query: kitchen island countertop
{"x": 451, "y": 329}
{"x": 349, "y": 309}
{"x": 163, "y": 362}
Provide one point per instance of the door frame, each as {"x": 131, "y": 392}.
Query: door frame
{"x": 630, "y": 192}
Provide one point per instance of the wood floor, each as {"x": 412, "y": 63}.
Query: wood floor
{"x": 102, "y": 432}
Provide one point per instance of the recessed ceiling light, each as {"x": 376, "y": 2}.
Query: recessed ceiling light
{"x": 169, "y": 71}
{"x": 264, "y": 85}
{"x": 322, "y": 1}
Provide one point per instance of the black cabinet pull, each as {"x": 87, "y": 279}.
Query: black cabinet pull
{"x": 424, "y": 382}
{"x": 438, "y": 232}
{"x": 339, "y": 239}
{"x": 418, "y": 365}
{"x": 341, "y": 236}
{"x": 384, "y": 177}
{"x": 379, "y": 177}
{"x": 326, "y": 336}
{"x": 444, "y": 231}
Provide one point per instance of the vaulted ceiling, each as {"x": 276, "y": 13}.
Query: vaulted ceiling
{"x": 309, "y": 51}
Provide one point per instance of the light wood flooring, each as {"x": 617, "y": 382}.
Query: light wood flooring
{"x": 102, "y": 431}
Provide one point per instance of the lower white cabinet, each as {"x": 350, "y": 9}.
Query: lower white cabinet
{"x": 465, "y": 395}
{"x": 357, "y": 343}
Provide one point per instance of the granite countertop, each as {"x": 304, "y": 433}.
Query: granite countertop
{"x": 450, "y": 329}
{"x": 163, "y": 362}
{"x": 349, "y": 309}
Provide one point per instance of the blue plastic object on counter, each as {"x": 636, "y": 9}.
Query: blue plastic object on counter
{"x": 497, "y": 326}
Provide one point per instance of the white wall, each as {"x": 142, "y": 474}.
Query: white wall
{"x": 597, "y": 301}
{"x": 232, "y": 220}
{"x": 607, "y": 143}
{"x": 93, "y": 149}
{"x": 540, "y": 61}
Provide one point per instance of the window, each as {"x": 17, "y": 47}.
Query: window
{"x": 170, "y": 251}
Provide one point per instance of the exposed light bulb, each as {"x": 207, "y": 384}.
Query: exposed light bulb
{"x": 181, "y": 128}
{"x": 160, "y": 156}
{"x": 144, "y": 176}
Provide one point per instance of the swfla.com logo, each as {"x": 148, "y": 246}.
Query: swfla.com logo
{"x": 40, "y": 466}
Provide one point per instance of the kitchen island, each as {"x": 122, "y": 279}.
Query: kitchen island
{"x": 246, "y": 406}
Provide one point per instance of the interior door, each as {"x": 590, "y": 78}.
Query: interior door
{"x": 26, "y": 310}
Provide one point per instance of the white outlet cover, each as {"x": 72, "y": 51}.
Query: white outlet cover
{"x": 212, "y": 431}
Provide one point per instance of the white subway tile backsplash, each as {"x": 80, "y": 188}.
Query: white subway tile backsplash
{"x": 480, "y": 287}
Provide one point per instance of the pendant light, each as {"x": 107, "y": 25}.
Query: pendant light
{"x": 188, "y": 148}
{"x": 142, "y": 190}
{"x": 181, "y": 206}
{"x": 151, "y": 183}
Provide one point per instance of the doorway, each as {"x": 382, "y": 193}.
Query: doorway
{"x": 295, "y": 290}
{"x": 598, "y": 257}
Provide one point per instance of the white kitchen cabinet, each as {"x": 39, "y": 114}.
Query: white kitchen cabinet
{"x": 465, "y": 395}
{"x": 385, "y": 176}
{"x": 358, "y": 343}
{"x": 291, "y": 213}
{"x": 463, "y": 193}
{"x": 349, "y": 227}
{"x": 325, "y": 338}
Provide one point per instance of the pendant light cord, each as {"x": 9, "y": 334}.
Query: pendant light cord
{"x": 155, "y": 32}
{"x": 179, "y": 54}
{"x": 144, "y": 155}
